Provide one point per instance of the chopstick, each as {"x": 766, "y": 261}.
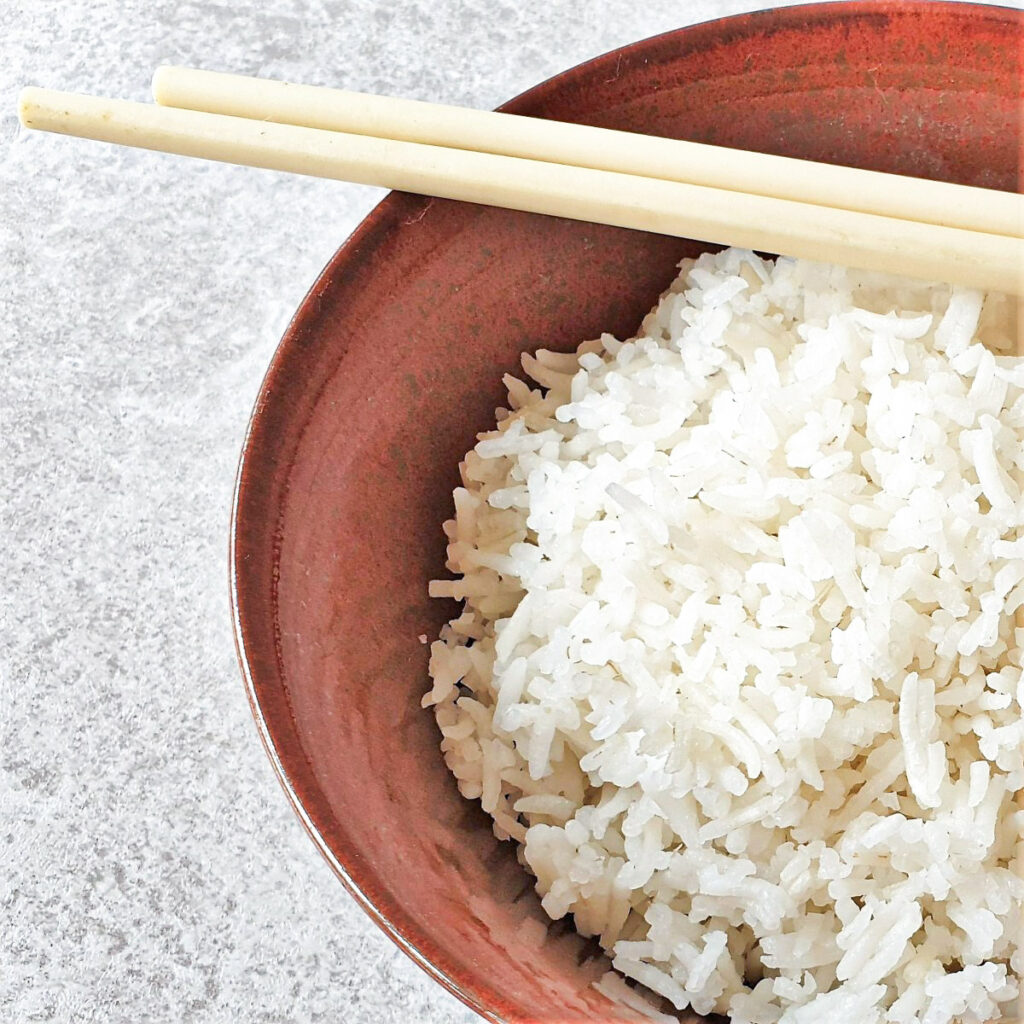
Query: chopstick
{"x": 805, "y": 181}
{"x": 934, "y": 252}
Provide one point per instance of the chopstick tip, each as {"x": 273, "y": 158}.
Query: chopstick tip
{"x": 159, "y": 83}
{"x": 28, "y": 101}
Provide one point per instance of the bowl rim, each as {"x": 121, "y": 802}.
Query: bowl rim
{"x": 383, "y": 218}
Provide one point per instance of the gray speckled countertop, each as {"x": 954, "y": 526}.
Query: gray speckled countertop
{"x": 150, "y": 867}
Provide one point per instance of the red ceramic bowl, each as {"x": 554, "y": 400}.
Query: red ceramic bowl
{"x": 394, "y": 362}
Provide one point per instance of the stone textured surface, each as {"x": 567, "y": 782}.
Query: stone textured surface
{"x": 150, "y": 868}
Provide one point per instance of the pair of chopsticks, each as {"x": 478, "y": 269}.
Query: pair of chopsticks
{"x": 932, "y": 230}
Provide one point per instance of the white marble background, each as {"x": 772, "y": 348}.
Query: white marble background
{"x": 150, "y": 867}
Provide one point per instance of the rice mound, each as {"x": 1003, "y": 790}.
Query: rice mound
{"x": 737, "y": 663}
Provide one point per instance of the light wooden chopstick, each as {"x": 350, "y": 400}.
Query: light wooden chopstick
{"x": 806, "y": 181}
{"x": 932, "y": 251}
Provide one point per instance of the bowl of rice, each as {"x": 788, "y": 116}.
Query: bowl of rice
{"x": 631, "y": 622}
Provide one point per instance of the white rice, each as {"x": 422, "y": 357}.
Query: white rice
{"x": 737, "y": 662}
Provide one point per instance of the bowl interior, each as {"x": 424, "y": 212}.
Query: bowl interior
{"x": 394, "y": 362}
